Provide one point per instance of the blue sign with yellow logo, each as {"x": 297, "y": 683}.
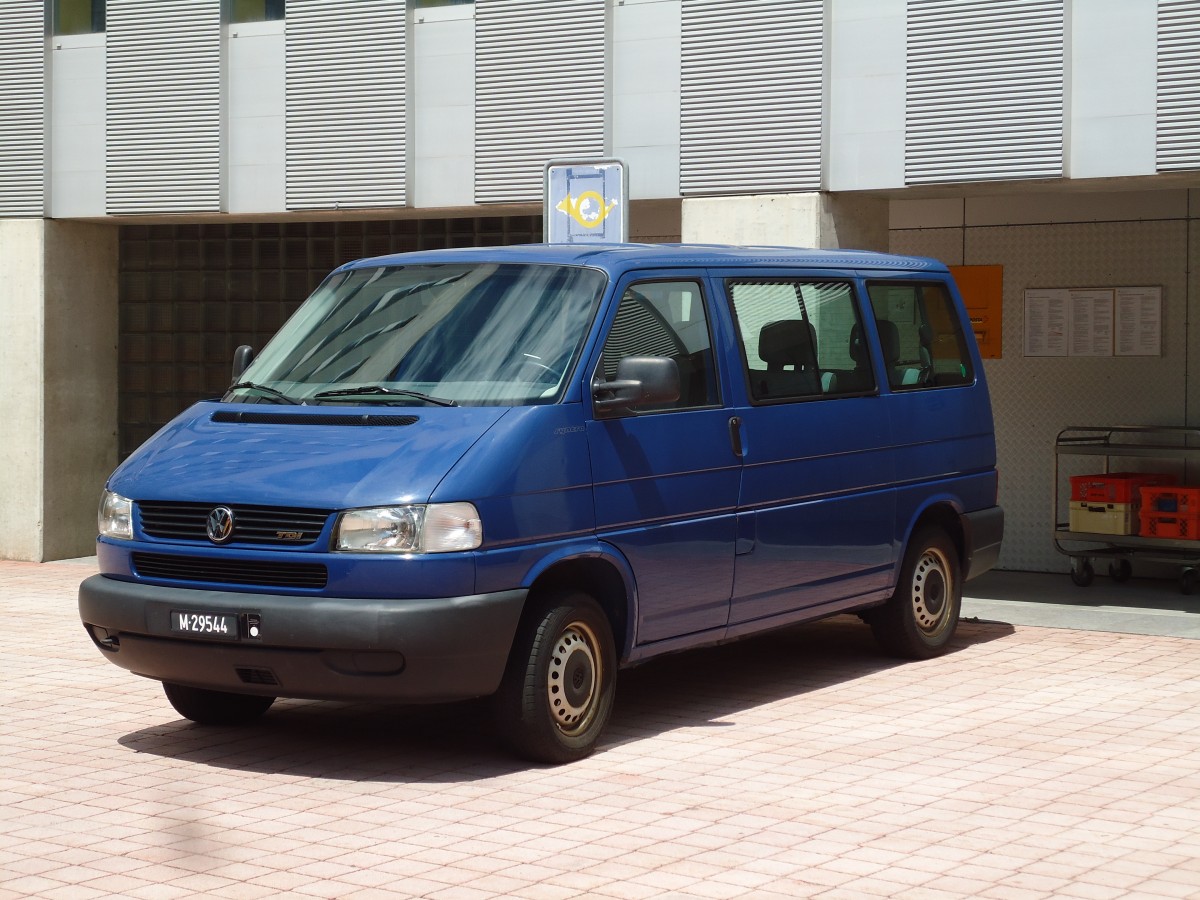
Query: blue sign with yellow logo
{"x": 586, "y": 202}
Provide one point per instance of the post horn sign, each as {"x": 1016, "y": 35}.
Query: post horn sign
{"x": 586, "y": 202}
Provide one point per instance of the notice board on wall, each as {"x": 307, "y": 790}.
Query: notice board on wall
{"x": 1124, "y": 321}
{"x": 982, "y": 289}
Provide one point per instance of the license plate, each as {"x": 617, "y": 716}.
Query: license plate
{"x": 216, "y": 626}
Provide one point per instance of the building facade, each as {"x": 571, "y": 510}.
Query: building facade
{"x": 176, "y": 177}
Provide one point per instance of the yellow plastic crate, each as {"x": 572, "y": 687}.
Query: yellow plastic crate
{"x": 1104, "y": 518}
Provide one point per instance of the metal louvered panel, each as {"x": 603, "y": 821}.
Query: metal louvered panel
{"x": 22, "y": 107}
{"x": 163, "y": 122}
{"x": 984, "y": 90}
{"x": 539, "y": 91}
{"x": 1178, "y": 85}
{"x": 751, "y": 96}
{"x": 346, "y": 87}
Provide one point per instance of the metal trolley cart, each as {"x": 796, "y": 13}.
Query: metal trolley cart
{"x": 1173, "y": 535}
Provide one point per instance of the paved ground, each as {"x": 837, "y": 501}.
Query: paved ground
{"x": 1030, "y": 762}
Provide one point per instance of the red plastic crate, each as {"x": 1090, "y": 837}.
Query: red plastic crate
{"x": 1170, "y": 512}
{"x": 1158, "y": 525}
{"x": 1115, "y": 487}
{"x": 1172, "y": 501}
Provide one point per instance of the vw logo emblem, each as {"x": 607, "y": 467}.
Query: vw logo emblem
{"x": 220, "y": 524}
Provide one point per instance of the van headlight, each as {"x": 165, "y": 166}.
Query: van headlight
{"x": 115, "y": 517}
{"x": 430, "y": 528}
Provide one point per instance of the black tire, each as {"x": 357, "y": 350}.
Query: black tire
{"x": 205, "y": 707}
{"x": 1120, "y": 571}
{"x": 920, "y": 618}
{"x": 1187, "y": 581}
{"x": 557, "y": 692}
{"x": 1083, "y": 575}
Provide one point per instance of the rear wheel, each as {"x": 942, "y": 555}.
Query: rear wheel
{"x": 558, "y": 690}
{"x": 920, "y": 618}
{"x": 206, "y": 707}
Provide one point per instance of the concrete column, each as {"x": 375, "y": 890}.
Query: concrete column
{"x": 58, "y": 375}
{"x": 818, "y": 220}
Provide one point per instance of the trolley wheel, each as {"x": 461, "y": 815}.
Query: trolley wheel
{"x": 1083, "y": 573}
{"x": 1120, "y": 571}
{"x": 1187, "y": 581}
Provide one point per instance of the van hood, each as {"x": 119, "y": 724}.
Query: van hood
{"x": 319, "y": 457}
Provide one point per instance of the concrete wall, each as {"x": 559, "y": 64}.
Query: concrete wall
{"x": 791, "y": 220}
{"x": 58, "y": 375}
{"x": 1065, "y": 241}
{"x": 80, "y": 374}
{"x": 22, "y": 354}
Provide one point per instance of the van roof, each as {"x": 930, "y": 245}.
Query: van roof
{"x": 619, "y": 257}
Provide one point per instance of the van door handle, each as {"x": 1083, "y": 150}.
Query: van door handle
{"x": 735, "y": 435}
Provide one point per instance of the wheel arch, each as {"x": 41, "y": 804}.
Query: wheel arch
{"x": 944, "y": 513}
{"x": 607, "y": 579}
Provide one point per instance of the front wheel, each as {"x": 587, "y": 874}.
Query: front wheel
{"x": 205, "y": 707}
{"x": 558, "y": 689}
{"x": 920, "y": 618}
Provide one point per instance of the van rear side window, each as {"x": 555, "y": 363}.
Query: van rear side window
{"x": 798, "y": 338}
{"x": 922, "y": 341}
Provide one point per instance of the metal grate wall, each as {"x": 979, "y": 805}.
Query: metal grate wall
{"x": 751, "y": 95}
{"x": 1178, "y": 85}
{"x": 163, "y": 122}
{"x": 190, "y": 294}
{"x": 23, "y": 122}
{"x": 346, "y": 96}
{"x": 984, "y": 90}
{"x": 539, "y": 91}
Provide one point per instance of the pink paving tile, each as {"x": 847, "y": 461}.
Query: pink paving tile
{"x": 1066, "y": 759}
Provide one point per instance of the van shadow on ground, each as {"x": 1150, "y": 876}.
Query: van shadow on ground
{"x": 454, "y": 742}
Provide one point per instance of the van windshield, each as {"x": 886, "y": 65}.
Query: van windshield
{"x": 469, "y": 334}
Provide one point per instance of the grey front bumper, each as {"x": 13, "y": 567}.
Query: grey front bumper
{"x": 310, "y": 647}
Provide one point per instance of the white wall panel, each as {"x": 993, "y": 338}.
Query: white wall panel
{"x": 1111, "y": 119}
{"x": 22, "y": 107}
{"x": 1178, "y": 85}
{"x": 985, "y": 90}
{"x": 77, "y": 145}
{"x": 256, "y": 141}
{"x": 751, "y": 96}
{"x": 865, "y": 112}
{"x": 163, "y": 124}
{"x": 539, "y": 91}
{"x": 443, "y": 96}
{"x": 346, "y": 103}
{"x": 645, "y": 79}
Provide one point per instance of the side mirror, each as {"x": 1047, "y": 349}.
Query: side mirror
{"x": 641, "y": 381}
{"x": 242, "y": 357}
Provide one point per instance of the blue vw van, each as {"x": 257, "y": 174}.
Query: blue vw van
{"x": 509, "y": 472}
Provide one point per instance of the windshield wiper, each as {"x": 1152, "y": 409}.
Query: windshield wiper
{"x": 366, "y": 390}
{"x": 262, "y": 388}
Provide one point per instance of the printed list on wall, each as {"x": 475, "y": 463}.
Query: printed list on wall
{"x": 1122, "y": 321}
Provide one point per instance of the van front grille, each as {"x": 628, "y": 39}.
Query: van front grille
{"x": 251, "y": 524}
{"x": 230, "y": 571}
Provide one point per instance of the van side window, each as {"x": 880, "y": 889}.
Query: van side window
{"x": 799, "y": 338}
{"x": 920, "y": 335}
{"x": 666, "y": 318}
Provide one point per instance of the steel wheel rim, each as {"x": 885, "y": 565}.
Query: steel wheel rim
{"x": 932, "y": 582}
{"x": 574, "y": 678}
